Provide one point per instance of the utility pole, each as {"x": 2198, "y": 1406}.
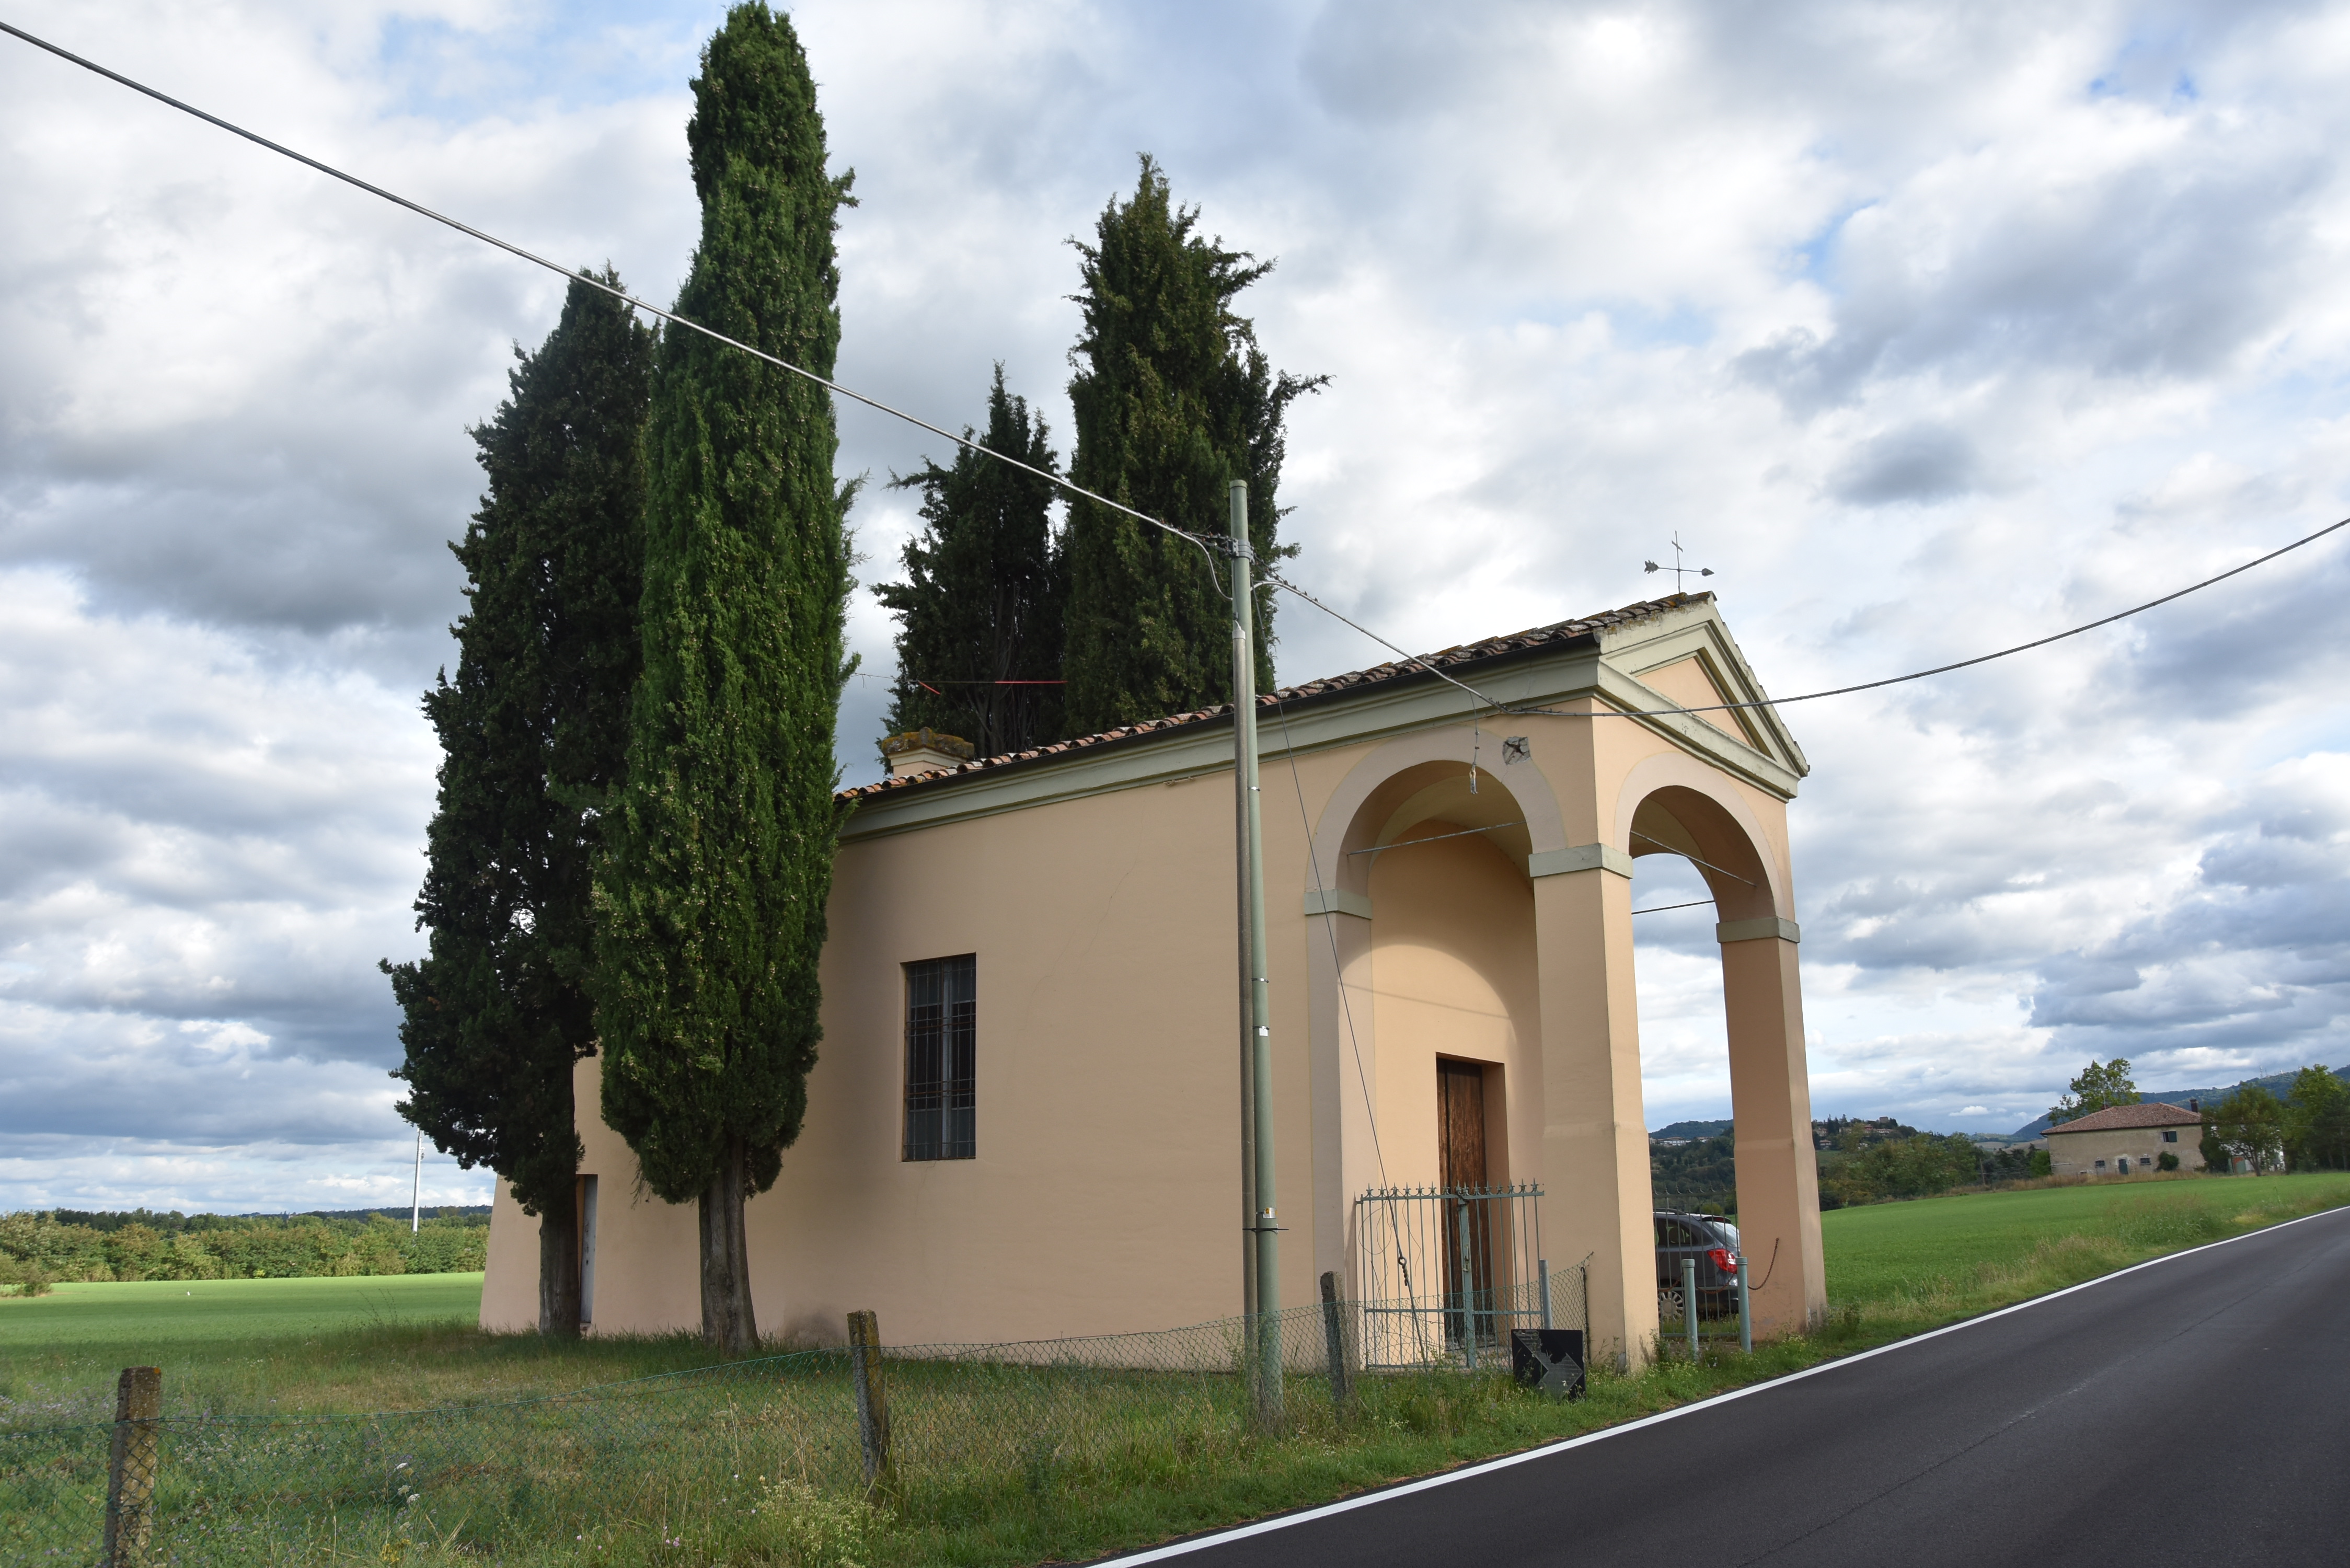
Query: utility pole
{"x": 1256, "y": 1012}
{"x": 416, "y": 1189}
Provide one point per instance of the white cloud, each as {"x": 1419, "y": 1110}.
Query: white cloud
{"x": 1931, "y": 328}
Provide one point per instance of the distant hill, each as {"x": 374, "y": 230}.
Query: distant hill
{"x": 2276, "y": 1084}
{"x": 449, "y": 1212}
{"x": 1692, "y": 1129}
{"x": 171, "y": 1222}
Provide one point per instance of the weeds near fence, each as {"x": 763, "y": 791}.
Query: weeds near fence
{"x": 753, "y": 1461}
{"x": 1006, "y": 1454}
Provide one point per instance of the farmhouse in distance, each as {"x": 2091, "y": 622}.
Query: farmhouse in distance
{"x": 2120, "y": 1139}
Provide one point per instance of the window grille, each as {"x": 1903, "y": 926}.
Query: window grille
{"x": 942, "y": 1030}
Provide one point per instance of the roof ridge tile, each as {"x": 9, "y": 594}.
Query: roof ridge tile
{"x": 1374, "y": 675}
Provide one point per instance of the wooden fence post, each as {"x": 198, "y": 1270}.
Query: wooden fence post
{"x": 130, "y": 1466}
{"x": 872, "y": 1403}
{"x": 1334, "y": 1343}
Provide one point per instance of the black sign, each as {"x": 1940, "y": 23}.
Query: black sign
{"x": 1549, "y": 1359}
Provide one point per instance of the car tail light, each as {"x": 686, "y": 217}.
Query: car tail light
{"x": 1721, "y": 1259}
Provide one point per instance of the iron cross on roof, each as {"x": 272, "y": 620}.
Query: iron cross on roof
{"x": 1680, "y": 572}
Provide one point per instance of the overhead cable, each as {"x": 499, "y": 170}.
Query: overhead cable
{"x": 1612, "y": 712}
{"x": 1677, "y": 849}
{"x": 1210, "y": 545}
{"x": 1432, "y": 838}
{"x": 1329, "y": 931}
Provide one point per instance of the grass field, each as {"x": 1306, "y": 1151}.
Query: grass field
{"x": 1905, "y": 1266}
{"x": 1101, "y": 1464}
{"x": 204, "y": 1311}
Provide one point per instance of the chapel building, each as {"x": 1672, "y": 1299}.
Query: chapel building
{"x": 1025, "y": 1120}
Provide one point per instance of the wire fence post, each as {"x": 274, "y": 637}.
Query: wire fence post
{"x": 1333, "y": 1343}
{"x": 872, "y": 1403}
{"x": 1542, "y": 1267}
{"x": 130, "y": 1466}
{"x": 1468, "y": 1296}
{"x": 1689, "y": 1303}
{"x": 1745, "y": 1312}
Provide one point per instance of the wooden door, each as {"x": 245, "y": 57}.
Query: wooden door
{"x": 1461, "y": 1123}
{"x": 1461, "y": 1155}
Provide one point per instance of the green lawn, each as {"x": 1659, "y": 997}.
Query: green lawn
{"x": 1052, "y": 1474}
{"x": 1888, "y": 1253}
{"x": 193, "y": 1312}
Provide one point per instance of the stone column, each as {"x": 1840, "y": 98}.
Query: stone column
{"x": 1595, "y": 1157}
{"x": 1771, "y": 1096}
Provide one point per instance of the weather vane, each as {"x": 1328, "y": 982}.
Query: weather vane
{"x": 1680, "y": 572}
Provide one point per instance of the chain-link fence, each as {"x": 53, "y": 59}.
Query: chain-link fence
{"x": 754, "y": 1449}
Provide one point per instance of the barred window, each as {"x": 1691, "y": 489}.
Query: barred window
{"x": 941, "y": 1029}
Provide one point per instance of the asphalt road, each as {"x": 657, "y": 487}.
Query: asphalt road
{"x": 2197, "y": 1410}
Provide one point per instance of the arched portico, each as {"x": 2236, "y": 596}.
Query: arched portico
{"x": 1412, "y": 787}
{"x": 1669, "y": 805}
{"x": 1587, "y": 796}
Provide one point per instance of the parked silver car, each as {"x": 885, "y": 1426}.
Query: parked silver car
{"x": 1713, "y": 1243}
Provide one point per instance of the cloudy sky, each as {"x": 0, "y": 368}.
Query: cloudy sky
{"x": 1929, "y": 328}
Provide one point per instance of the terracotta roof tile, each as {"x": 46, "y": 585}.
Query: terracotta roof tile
{"x": 2115, "y": 1118}
{"x": 1565, "y": 632}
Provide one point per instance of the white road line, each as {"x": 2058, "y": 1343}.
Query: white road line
{"x": 1387, "y": 1494}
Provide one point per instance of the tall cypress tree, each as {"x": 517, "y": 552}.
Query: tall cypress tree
{"x": 1173, "y": 402}
{"x": 710, "y": 893}
{"x": 533, "y": 732}
{"x": 980, "y": 605}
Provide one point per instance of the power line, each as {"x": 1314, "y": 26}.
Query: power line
{"x": 2002, "y": 653}
{"x": 1499, "y": 706}
{"x": 1207, "y": 547}
{"x": 1338, "y": 965}
{"x": 1210, "y": 546}
{"x": 1676, "y": 849}
{"x": 1432, "y": 838}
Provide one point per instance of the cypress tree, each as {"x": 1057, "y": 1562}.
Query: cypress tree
{"x": 1173, "y": 401}
{"x": 533, "y": 732}
{"x": 982, "y": 600}
{"x": 711, "y": 893}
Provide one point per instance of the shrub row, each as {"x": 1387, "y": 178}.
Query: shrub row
{"x": 39, "y": 1246}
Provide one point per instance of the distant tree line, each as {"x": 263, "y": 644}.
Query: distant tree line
{"x": 65, "y": 1245}
{"x": 1701, "y": 1177}
{"x": 2309, "y": 1129}
{"x": 171, "y": 1222}
{"x": 1860, "y": 1161}
{"x": 1869, "y": 1162}
{"x": 1874, "y": 1160}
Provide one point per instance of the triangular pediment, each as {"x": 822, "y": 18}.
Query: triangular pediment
{"x": 1688, "y": 659}
{"x": 1693, "y": 683}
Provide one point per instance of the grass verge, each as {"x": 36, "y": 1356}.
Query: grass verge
{"x": 1014, "y": 1465}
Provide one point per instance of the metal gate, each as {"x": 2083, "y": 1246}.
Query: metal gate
{"x": 1446, "y": 1272}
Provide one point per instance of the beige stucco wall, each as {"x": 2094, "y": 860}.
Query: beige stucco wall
{"x": 2076, "y": 1154}
{"x": 510, "y": 1284}
{"x": 1453, "y": 974}
{"x": 1105, "y": 1197}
